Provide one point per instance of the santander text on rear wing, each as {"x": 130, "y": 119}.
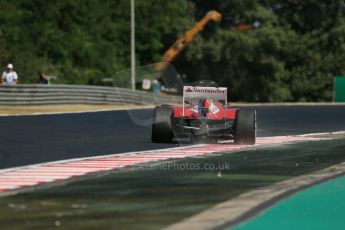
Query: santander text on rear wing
{"x": 195, "y": 92}
{"x": 199, "y": 92}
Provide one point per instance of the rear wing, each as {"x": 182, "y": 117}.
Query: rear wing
{"x": 199, "y": 92}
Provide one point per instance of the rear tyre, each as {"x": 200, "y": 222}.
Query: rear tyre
{"x": 162, "y": 125}
{"x": 245, "y": 127}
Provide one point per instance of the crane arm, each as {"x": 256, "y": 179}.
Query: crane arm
{"x": 189, "y": 36}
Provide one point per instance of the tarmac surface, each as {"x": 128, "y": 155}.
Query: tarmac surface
{"x": 35, "y": 139}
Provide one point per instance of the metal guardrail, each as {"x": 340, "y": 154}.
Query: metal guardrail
{"x": 78, "y": 94}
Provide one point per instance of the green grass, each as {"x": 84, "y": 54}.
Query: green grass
{"x": 154, "y": 197}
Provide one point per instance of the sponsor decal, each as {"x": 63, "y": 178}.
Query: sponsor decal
{"x": 195, "y": 109}
{"x": 213, "y": 108}
{"x": 205, "y": 90}
{"x": 219, "y": 93}
{"x": 189, "y": 90}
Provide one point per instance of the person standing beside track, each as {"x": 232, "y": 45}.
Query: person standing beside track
{"x": 9, "y": 77}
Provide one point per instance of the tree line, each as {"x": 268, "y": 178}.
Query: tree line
{"x": 290, "y": 51}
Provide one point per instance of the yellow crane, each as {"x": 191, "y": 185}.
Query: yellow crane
{"x": 189, "y": 36}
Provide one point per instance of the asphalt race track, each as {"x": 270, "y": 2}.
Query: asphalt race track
{"x": 35, "y": 139}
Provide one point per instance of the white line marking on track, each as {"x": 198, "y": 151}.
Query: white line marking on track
{"x": 38, "y": 174}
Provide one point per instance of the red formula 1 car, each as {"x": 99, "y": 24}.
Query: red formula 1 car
{"x": 205, "y": 114}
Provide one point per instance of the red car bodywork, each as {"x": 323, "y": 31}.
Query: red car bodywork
{"x": 192, "y": 113}
{"x": 204, "y": 115}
